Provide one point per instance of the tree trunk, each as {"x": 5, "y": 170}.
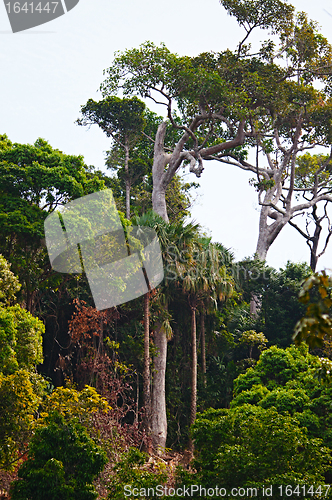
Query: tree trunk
{"x": 313, "y": 249}
{"x": 158, "y": 402}
{"x": 159, "y": 200}
{"x": 268, "y": 232}
{"x": 146, "y": 371}
{"x": 315, "y": 239}
{"x": 203, "y": 346}
{"x": 193, "y": 402}
{"x": 158, "y": 414}
{"x": 128, "y": 182}
{"x": 160, "y": 160}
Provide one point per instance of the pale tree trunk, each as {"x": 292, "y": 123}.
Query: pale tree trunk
{"x": 146, "y": 370}
{"x": 160, "y": 160}
{"x": 158, "y": 402}
{"x": 193, "y": 402}
{"x": 159, "y": 200}
{"x": 158, "y": 414}
{"x": 269, "y": 232}
{"x": 266, "y": 236}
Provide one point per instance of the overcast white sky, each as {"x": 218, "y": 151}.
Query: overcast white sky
{"x": 47, "y": 73}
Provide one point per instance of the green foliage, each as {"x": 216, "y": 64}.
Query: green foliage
{"x": 250, "y": 446}
{"x": 309, "y": 165}
{"x": 289, "y": 381}
{"x": 317, "y": 322}
{"x": 20, "y": 339}
{"x": 71, "y": 403}
{"x": 19, "y": 401}
{"x": 34, "y": 180}
{"x": 278, "y": 292}
{"x": 252, "y": 338}
{"x": 277, "y": 431}
{"x": 9, "y": 283}
{"x": 133, "y": 471}
{"x": 119, "y": 118}
{"x": 267, "y": 14}
{"x": 62, "y": 463}
{"x": 276, "y": 367}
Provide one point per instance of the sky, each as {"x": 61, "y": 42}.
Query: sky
{"x": 49, "y": 72}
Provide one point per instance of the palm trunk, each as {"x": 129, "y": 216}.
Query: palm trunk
{"x": 146, "y": 371}
{"x": 203, "y": 346}
{"x": 128, "y": 183}
{"x": 193, "y": 403}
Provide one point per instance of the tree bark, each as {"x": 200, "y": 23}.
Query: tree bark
{"x": 203, "y": 346}
{"x": 128, "y": 183}
{"x": 146, "y": 371}
{"x": 193, "y": 402}
{"x": 160, "y": 160}
{"x": 314, "y": 247}
{"x": 158, "y": 414}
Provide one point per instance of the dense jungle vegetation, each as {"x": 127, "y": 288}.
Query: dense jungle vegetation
{"x": 219, "y": 377}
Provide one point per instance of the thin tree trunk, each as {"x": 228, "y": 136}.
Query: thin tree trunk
{"x": 146, "y": 371}
{"x": 193, "y": 402}
{"x": 315, "y": 239}
{"x": 203, "y": 346}
{"x": 158, "y": 413}
{"x": 128, "y": 183}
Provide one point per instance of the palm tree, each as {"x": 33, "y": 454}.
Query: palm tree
{"x": 225, "y": 258}
{"x": 205, "y": 280}
{"x": 175, "y": 240}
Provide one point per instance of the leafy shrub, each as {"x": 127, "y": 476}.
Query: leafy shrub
{"x": 62, "y": 463}
{"x": 250, "y": 446}
{"x": 133, "y": 471}
{"x": 19, "y": 400}
{"x": 72, "y": 403}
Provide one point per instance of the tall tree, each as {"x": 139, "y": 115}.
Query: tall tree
{"x": 204, "y": 278}
{"x": 205, "y": 100}
{"x": 290, "y": 119}
{"x": 123, "y": 121}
